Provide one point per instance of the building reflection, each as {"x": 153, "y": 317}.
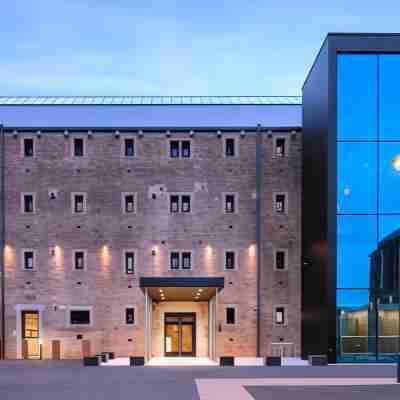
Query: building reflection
{"x": 368, "y": 320}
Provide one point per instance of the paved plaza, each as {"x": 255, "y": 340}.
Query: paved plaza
{"x": 69, "y": 380}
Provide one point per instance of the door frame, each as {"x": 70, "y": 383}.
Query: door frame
{"x": 19, "y": 308}
{"x": 194, "y": 330}
{"x": 28, "y": 356}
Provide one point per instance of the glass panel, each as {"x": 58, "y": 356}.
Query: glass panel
{"x": 187, "y": 338}
{"x": 356, "y": 240}
{"x": 355, "y": 322}
{"x": 388, "y": 224}
{"x": 389, "y": 175}
{"x": 357, "y": 177}
{"x": 357, "y": 102}
{"x": 389, "y": 96}
{"x": 388, "y": 327}
{"x": 172, "y": 338}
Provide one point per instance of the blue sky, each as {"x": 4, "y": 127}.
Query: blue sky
{"x": 173, "y": 47}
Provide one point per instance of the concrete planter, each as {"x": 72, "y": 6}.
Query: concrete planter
{"x": 91, "y": 361}
{"x": 136, "y": 361}
{"x": 227, "y": 361}
{"x": 273, "y": 361}
{"x": 318, "y": 360}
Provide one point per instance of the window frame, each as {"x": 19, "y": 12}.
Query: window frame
{"x": 23, "y": 138}
{"x": 23, "y": 194}
{"x": 84, "y": 194}
{"x": 123, "y": 146}
{"x": 180, "y": 156}
{"x": 135, "y": 263}
{"x": 72, "y": 149}
{"x": 123, "y": 204}
{"x": 180, "y": 202}
{"x": 236, "y": 315}
{"x": 79, "y": 308}
{"x": 235, "y": 205}
{"x": 285, "y": 204}
{"x": 134, "y": 308}
{"x": 286, "y": 260}
{"x": 85, "y": 260}
{"x": 34, "y": 259}
{"x": 287, "y": 141}
{"x": 236, "y": 259}
{"x": 285, "y": 316}
{"x": 236, "y": 146}
{"x": 180, "y": 259}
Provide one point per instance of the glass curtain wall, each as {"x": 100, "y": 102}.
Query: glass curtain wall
{"x": 368, "y": 207}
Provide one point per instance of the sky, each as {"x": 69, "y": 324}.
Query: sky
{"x": 173, "y": 47}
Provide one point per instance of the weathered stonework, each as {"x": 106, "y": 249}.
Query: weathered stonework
{"x": 104, "y": 231}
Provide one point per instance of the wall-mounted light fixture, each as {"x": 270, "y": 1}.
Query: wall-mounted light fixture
{"x": 90, "y": 134}
{"x": 66, "y": 133}
{"x": 396, "y": 163}
{"x": 39, "y": 134}
{"x": 168, "y": 134}
{"x": 153, "y": 251}
{"x": 191, "y": 133}
{"x": 15, "y": 134}
{"x": 116, "y": 134}
{"x": 140, "y": 133}
{"x": 269, "y": 133}
{"x": 242, "y": 133}
{"x": 219, "y": 134}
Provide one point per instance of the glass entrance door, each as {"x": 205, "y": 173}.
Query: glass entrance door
{"x": 30, "y": 334}
{"x": 180, "y": 336}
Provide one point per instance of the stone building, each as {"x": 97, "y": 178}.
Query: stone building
{"x": 151, "y": 229}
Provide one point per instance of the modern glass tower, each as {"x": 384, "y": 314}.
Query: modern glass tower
{"x": 352, "y": 130}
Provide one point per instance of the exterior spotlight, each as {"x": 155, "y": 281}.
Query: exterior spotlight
{"x": 153, "y": 252}
{"x": 191, "y": 133}
{"x": 269, "y": 134}
{"x": 39, "y": 134}
{"x": 66, "y": 133}
{"x": 396, "y": 163}
{"x": 15, "y": 134}
{"x": 140, "y": 133}
{"x": 168, "y": 134}
{"x": 219, "y": 134}
{"x": 116, "y": 134}
{"x": 242, "y": 133}
{"x": 90, "y": 134}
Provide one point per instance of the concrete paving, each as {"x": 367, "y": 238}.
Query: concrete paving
{"x": 63, "y": 380}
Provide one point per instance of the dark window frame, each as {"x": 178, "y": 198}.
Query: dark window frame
{"x": 130, "y": 317}
{"x": 76, "y": 317}
{"x": 27, "y": 209}
{"x": 28, "y": 151}
{"x": 228, "y": 255}
{"x": 230, "y": 315}
{"x": 129, "y": 254}
{"x": 79, "y": 254}
{"x": 230, "y": 147}
{"x": 29, "y": 254}
{"x": 129, "y": 147}
{"x": 78, "y": 150}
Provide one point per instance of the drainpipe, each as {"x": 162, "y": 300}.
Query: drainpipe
{"x": 259, "y": 173}
{"x": 2, "y": 238}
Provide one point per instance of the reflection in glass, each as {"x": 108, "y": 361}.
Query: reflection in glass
{"x": 357, "y": 94}
{"x": 389, "y": 175}
{"x": 356, "y": 239}
{"x": 357, "y": 177}
{"x": 389, "y": 100}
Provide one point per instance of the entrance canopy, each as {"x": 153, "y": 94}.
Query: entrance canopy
{"x": 181, "y": 288}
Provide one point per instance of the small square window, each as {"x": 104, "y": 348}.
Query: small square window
{"x": 129, "y": 262}
{"x": 174, "y": 148}
{"x": 29, "y": 260}
{"x": 78, "y": 147}
{"x": 80, "y": 317}
{"x": 130, "y": 316}
{"x": 280, "y": 318}
{"x": 174, "y": 203}
{"x": 185, "y": 203}
{"x": 79, "y": 262}
{"x": 280, "y": 259}
{"x": 129, "y": 203}
{"x": 280, "y": 147}
{"x": 79, "y": 203}
{"x": 230, "y": 315}
{"x": 174, "y": 263}
{"x": 185, "y": 148}
{"x": 230, "y": 260}
{"x": 28, "y": 147}
{"x": 186, "y": 260}
{"x": 230, "y": 150}
{"x": 129, "y": 147}
{"x": 28, "y": 203}
{"x": 229, "y": 203}
{"x": 280, "y": 203}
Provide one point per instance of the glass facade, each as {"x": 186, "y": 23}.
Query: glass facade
{"x": 368, "y": 207}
